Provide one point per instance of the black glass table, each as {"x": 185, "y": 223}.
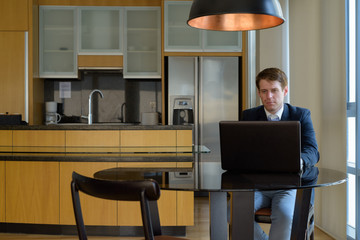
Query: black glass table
{"x": 209, "y": 177}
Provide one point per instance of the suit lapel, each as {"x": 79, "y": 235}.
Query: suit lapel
{"x": 286, "y": 115}
{"x": 262, "y": 114}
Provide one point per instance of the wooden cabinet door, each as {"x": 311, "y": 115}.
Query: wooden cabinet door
{"x": 95, "y": 211}
{"x": 92, "y": 141}
{"x": 148, "y": 140}
{"x": 130, "y": 215}
{"x": 185, "y": 208}
{"x": 6, "y": 140}
{"x": 38, "y": 141}
{"x": 32, "y": 192}
{"x": 2, "y": 191}
{"x": 14, "y": 15}
{"x": 12, "y": 72}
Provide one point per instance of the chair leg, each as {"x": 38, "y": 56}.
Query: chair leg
{"x": 77, "y": 212}
{"x": 312, "y": 237}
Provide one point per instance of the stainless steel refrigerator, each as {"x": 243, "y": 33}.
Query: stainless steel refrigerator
{"x": 211, "y": 84}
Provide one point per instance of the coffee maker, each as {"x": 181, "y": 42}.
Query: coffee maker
{"x": 183, "y": 111}
{"x": 51, "y": 115}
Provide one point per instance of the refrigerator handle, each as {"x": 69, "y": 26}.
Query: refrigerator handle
{"x": 196, "y": 99}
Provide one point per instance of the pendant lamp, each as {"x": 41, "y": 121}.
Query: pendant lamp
{"x": 235, "y": 15}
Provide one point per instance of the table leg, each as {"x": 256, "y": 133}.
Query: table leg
{"x": 242, "y": 216}
{"x": 301, "y": 214}
{"x": 218, "y": 216}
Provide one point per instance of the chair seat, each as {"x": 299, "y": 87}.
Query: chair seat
{"x": 263, "y": 215}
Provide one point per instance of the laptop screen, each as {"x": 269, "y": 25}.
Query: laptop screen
{"x": 260, "y": 146}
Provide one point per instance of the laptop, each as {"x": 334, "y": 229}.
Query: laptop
{"x": 260, "y": 146}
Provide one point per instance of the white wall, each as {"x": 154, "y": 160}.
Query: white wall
{"x": 317, "y": 81}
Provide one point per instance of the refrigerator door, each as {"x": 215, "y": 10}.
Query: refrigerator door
{"x": 213, "y": 84}
{"x": 181, "y": 82}
{"x": 218, "y": 100}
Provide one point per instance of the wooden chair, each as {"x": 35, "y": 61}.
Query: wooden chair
{"x": 147, "y": 192}
{"x": 263, "y": 215}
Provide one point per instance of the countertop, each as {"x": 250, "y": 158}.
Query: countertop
{"x": 99, "y": 153}
{"x": 96, "y": 126}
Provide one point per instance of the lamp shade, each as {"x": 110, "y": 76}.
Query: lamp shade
{"x": 235, "y": 15}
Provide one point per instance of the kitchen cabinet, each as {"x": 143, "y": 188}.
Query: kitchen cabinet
{"x": 32, "y": 192}
{"x": 149, "y": 140}
{"x": 6, "y": 140}
{"x": 100, "y": 61}
{"x": 13, "y": 74}
{"x": 179, "y": 37}
{"x": 142, "y": 42}
{"x": 100, "y": 30}
{"x": 14, "y": 15}
{"x": 38, "y": 191}
{"x": 92, "y": 141}
{"x": 105, "y": 212}
{"x": 38, "y": 141}
{"x": 58, "y": 48}
{"x": 167, "y": 210}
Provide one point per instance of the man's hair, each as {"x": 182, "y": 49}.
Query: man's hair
{"x": 272, "y": 74}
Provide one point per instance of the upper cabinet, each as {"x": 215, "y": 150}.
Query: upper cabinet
{"x": 100, "y": 30}
{"x": 93, "y": 34}
{"x": 57, "y": 42}
{"x": 142, "y": 58}
{"x": 13, "y": 77}
{"x": 179, "y": 37}
{"x": 73, "y": 37}
{"x": 14, "y": 15}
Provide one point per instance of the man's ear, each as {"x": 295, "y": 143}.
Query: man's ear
{"x": 286, "y": 90}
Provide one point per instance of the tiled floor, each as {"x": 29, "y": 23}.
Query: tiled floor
{"x": 200, "y": 231}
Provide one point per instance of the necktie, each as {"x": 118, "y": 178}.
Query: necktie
{"x": 272, "y": 117}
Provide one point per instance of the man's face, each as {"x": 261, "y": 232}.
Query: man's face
{"x": 272, "y": 95}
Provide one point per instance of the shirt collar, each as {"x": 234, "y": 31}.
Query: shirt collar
{"x": 278, "y": 113}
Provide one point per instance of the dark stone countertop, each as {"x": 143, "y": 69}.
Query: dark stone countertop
{"x": 96, "y": 126}
{"x": 95, "y": 157}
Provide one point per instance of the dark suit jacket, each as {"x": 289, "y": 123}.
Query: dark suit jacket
{"x": 309, "y": 147}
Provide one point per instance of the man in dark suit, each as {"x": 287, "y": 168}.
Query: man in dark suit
{"x": 272, "y": 88}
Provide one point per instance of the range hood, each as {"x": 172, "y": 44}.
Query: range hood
{"x": 103, "y": 70}
{"x": 101, "y": 63}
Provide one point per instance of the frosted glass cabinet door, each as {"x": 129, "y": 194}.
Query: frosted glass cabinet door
{"x": 142, "y": 45}
{"x": 57, "y": 42}
{"x": 181, "y": 37}
{"x": 221, "y": 41}
{"x": 100, "y": 30}
{"x": 178, "y": 35}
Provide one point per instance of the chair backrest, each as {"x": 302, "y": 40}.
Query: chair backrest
{"x": 147, "y": 192}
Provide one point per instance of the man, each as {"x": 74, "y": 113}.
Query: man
{"x": 272, "y": 87}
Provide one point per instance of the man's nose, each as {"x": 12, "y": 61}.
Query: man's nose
{"x": 269, "y": 94}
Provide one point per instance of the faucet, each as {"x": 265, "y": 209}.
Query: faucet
{"x": 90, "y": 97}
{"x": 122, "y": 118}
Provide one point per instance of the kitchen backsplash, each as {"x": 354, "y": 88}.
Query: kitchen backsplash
{"x": 139, "y": 95}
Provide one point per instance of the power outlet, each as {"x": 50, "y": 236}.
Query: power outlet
{"x": 153, "y": 106}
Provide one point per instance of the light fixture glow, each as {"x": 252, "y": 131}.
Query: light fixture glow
{"x": 235, "y": 15}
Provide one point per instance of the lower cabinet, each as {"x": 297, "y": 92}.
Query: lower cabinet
{"x": 37, "y": 192}
{"x": 12, "y": 71}
{"x": 95, "y": 211}
{"x": 121, "y": 213}
{"x": 32, "y": 192}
